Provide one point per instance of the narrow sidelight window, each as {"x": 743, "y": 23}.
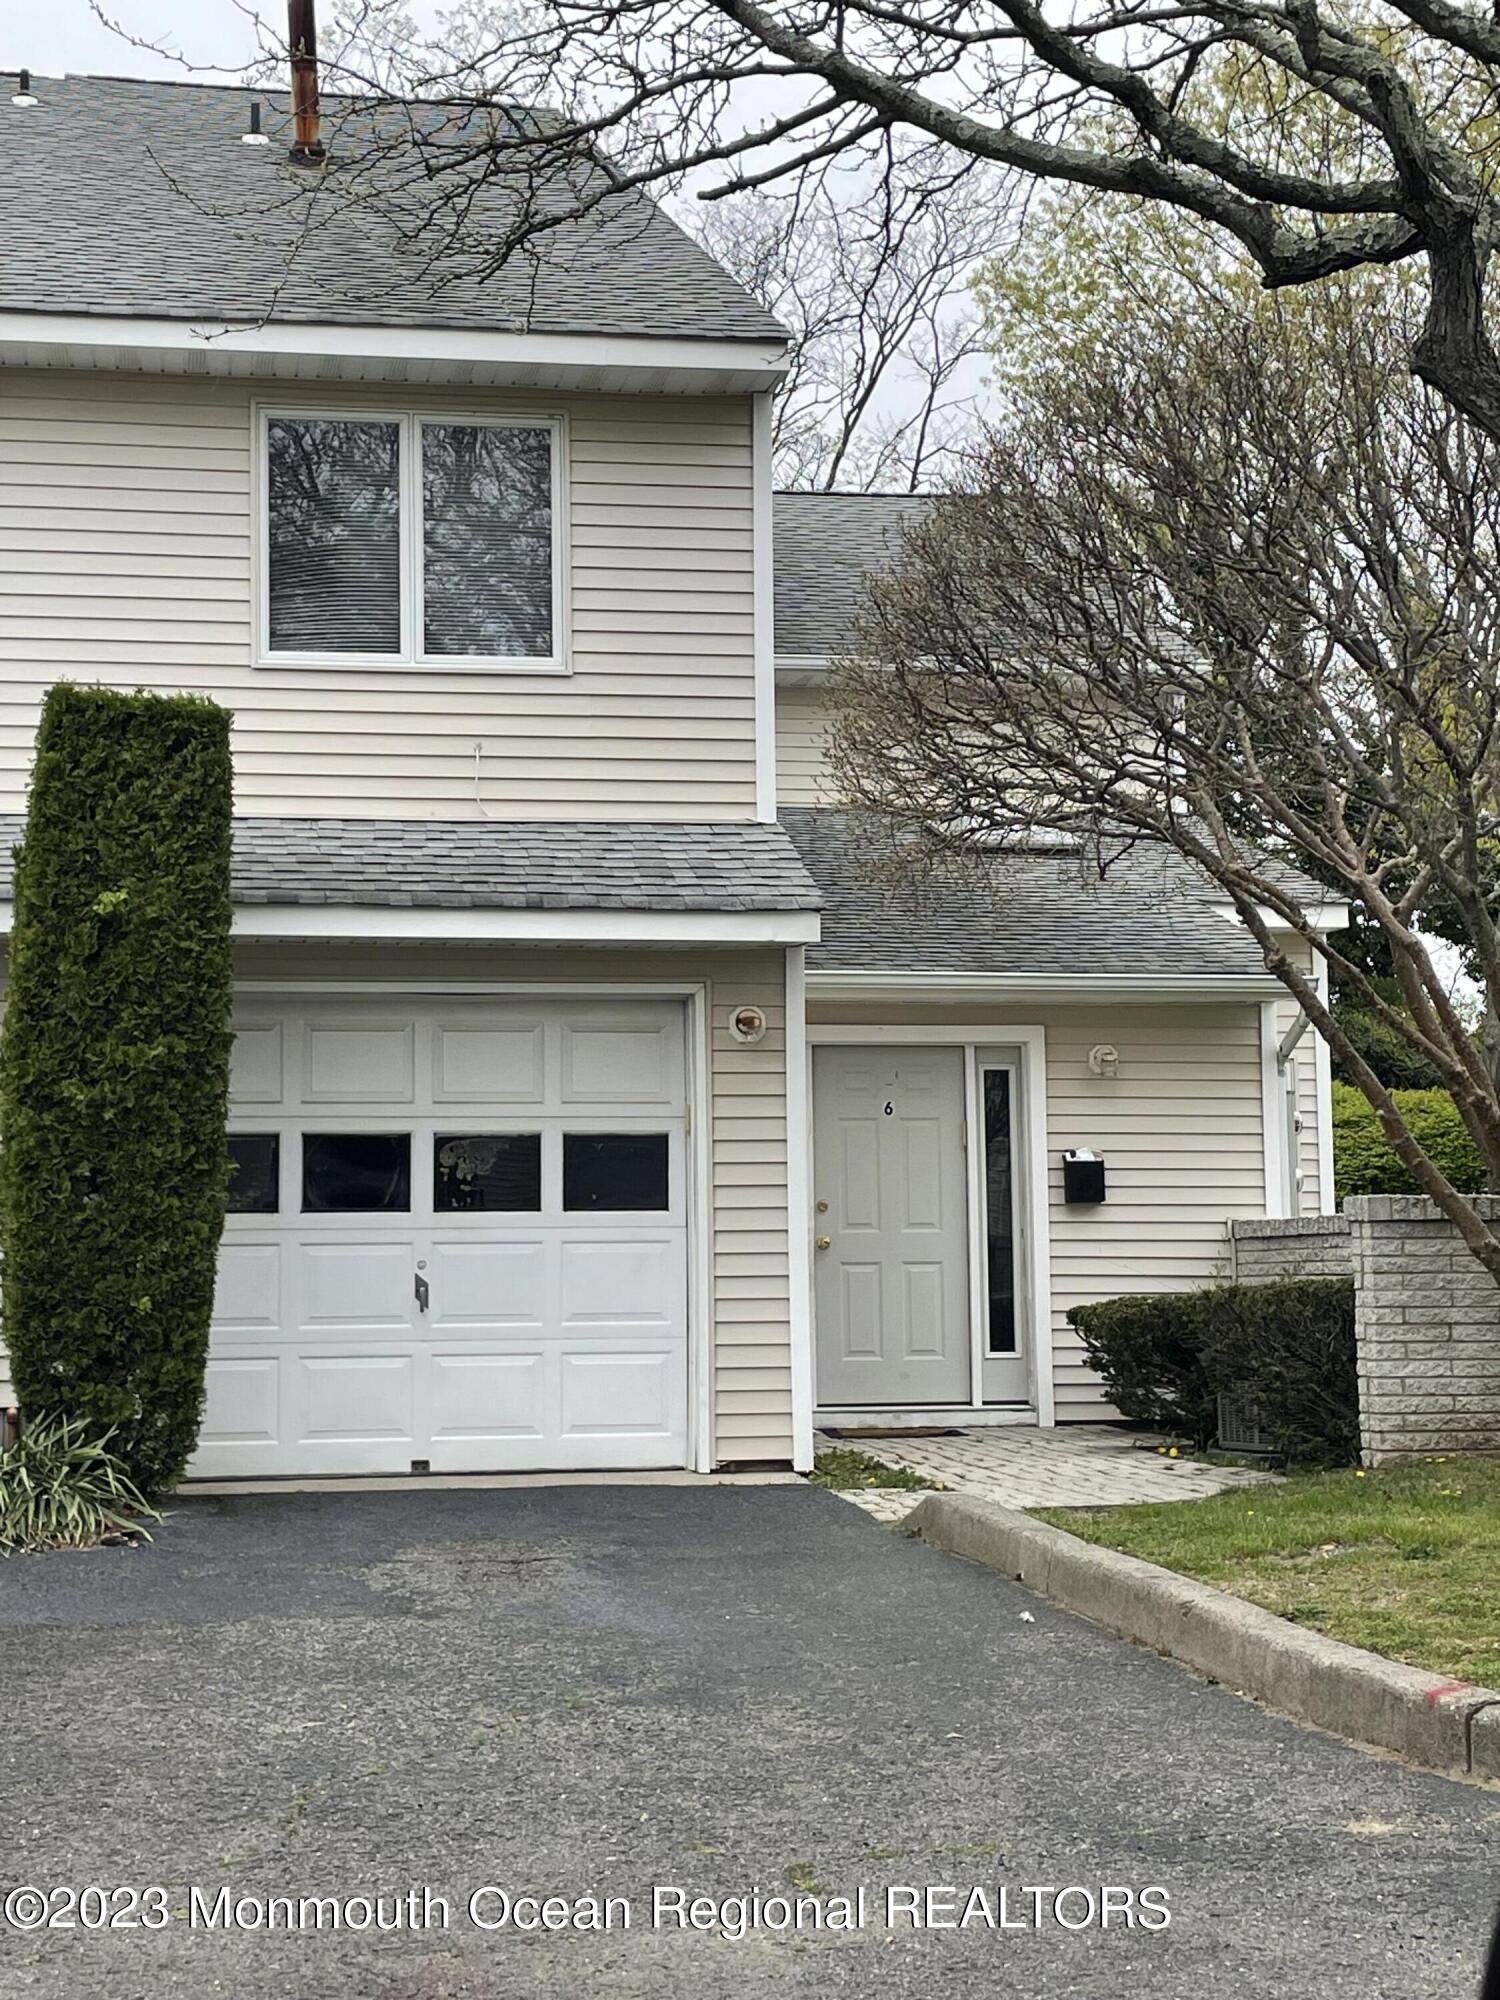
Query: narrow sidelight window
{"x": 486, "y": 541}
{"x": 615, "y": 1170}
{"x": 333, "y": 494}
{"x": 999, "y": 1209}
{"x": 352, "y": 1173}
{"x": 500, "y": 1170}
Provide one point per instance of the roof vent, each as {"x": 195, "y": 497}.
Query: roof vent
{"x": 302, "y": 43}
{"x": 254, "y": 137}
{"x": 23, "y": 94}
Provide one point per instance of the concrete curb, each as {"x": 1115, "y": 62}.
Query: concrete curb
{"x": 1442, "y": 1725}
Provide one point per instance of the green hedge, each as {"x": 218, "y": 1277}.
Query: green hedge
{"x": 1148, "y": 1347}
{"x": 1287, "y": 1348}
{"x": 1363, "y": 1162}
{"x": 114, "y": 1070}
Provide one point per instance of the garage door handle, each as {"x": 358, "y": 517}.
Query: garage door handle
{"x": 419, "y": 1286}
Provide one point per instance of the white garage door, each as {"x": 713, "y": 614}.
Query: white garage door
{"x": 456, "y": 1240}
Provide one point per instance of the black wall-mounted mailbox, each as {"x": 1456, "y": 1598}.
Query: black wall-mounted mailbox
{"x": 1083, "y": 1176}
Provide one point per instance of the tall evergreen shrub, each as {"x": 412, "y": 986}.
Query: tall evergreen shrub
{"x": 114, "y": 1068}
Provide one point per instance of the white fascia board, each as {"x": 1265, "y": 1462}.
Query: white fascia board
{"x": 371, "y": 924}
{"x": 431, "y": 354}
{"x": 1025, "y": 986}
{"x": 1322, "y": 916}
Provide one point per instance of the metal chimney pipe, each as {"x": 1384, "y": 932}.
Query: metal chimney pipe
{"x": 302, "y": 42}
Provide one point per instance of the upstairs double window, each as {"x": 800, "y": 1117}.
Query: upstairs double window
{"x": 408, "y": 539}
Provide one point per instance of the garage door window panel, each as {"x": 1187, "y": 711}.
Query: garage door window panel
{"x": 616, "y": 1173}
{"x": 356, "y": 1173}
{"x": 493, "y": 1172}
{"x": 254, "y": 1173}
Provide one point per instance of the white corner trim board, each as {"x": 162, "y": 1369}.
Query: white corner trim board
{"x": 1277, "y": 1170}
{"x": 799, "y": 1206}
{"x": 370, "y": 923}
{"x": 764, "y": 610}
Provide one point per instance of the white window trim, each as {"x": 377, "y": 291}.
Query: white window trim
{"x": 977, "y": 1064}
{"x": 413, "y": 658}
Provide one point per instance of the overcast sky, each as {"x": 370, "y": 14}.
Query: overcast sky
{"x": 54, "y": 37}
{"x": 57, "y": 36}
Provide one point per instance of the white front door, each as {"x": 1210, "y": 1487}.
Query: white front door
{"x": 457, "y": 1240}
{"x": 890, "y": 1193}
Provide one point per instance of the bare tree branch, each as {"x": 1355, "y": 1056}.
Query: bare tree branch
{"x": 1319, "y": 141}
{"x": 1229, "y": 590}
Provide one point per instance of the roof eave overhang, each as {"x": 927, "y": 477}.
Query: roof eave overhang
{"x": 367, "y": 923}
{"x": 802, "y": 669}
{"x": 873, "y": 984}
{"x": 460, "y": 357}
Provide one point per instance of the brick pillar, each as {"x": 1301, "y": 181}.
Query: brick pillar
{"x": 1427, "y": 1324}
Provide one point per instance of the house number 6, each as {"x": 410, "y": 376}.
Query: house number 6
{"x": 890, "y": 1109}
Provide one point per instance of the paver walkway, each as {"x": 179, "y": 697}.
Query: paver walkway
{"x": 1076, "y": 1465}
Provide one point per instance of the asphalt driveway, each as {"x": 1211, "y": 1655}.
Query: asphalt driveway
{"x": 609, "y": 1689}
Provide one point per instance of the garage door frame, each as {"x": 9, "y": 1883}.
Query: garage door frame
{"x": 696, "y": 1027}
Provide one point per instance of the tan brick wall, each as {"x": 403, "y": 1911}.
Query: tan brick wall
{"x": 1427, "y": 1320}
{"x": 1307, "y": 1246}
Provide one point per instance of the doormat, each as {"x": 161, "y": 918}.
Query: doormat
{"x": 897, "y": 1431}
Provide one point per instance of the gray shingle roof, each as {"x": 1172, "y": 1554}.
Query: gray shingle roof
{"x": 1033, "y": 913}
{"x": 827, "y": 546}
{"x": 506, "y": 865}
{"x": 119, "y": 196}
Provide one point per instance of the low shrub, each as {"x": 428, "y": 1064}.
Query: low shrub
{"x": 1148, "y": 1350}
{"x": 61, "y": 1488}
{"x": 1363, "y": 1162}
{"x": 1285, "y": 1348}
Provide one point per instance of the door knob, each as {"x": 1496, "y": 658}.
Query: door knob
{"x": 824, "y": 1241}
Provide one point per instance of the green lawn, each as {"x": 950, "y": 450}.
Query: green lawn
{"x": 1404, "y": 1559}
{"x": 845, "y": 1469}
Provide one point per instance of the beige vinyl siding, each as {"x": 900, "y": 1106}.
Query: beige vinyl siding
{"x": 127, "y": 557}
{"x": 1180, "y": 1130}
{"x": 751, "y": 1282}
{"x": 802, "y": 777}
{"x": 748, "y": 1262}
{"x": 1179, "y": 1127}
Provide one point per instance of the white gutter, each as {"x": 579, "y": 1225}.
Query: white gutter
{"x": 216, "y": 347}
{"x": 1291, "y": 1038}
{"x": 876, "y": 985}
{"x": 374, "y": 924}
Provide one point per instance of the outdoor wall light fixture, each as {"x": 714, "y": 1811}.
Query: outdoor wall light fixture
{"x": 1104, "y": 1059}
{"x": 747, "y": 1024}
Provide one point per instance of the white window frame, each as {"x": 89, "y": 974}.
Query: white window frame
{"x": 413, "y": 657}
